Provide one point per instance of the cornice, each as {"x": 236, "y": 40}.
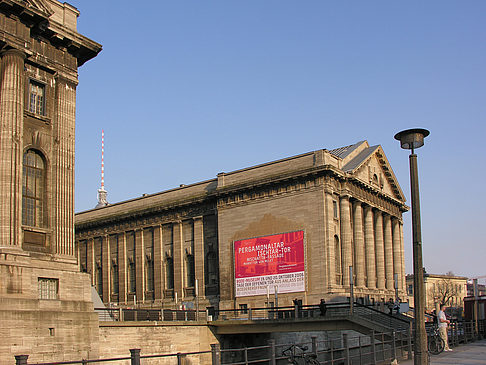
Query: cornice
{"x": 279, "y": 178}
{"x": 40, "y": 25}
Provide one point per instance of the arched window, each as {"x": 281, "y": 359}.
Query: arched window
{"x": 33, "y": 190}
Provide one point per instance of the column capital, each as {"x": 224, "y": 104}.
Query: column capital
{"x": 345, "y": 195}
{"x": 378, "y": 212}
{"x": 13, "y": 52}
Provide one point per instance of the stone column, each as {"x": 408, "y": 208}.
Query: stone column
{"x": 63, "y": 166}
{"x": 140, "y": 265}
{"x": 178, "y": 261}
{"x": 397, "y": 254}
{"x": 346, "y": 232}
{"x": 122, "y": 268}
{"x": 359, "y": 247}
{"x": 199, "y": 254}
{"x": 402, "y": 261}
{"x": 158, "y": 264}
{"x": 379, "y": 250}
{"x": 331, "y": 256}
{"x": 106, "y": 265}
{"x": 387, "y": 232}
{"x": 11, "y": 147}
{"x": 370, "y": 247}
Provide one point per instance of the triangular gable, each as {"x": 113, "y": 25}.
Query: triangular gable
{"x": 371, "y": 166}
{"x": 40, "y": 5}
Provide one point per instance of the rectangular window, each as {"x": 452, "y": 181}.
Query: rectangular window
{"x": 335, "y": 209}
{"x": 243, "y": 308}
{"x": 37, "y": 97}
{"x": 48, "y": 288}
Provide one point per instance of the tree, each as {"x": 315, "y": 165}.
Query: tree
{"x": 445, "y": 290}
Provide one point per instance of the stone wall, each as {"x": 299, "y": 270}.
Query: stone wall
{"x": 116, "y": 340}
{"x": 287, "y": 211}
{"x": 48, "y": 330}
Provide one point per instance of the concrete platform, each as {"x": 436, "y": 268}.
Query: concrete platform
{"x": 471, "y": 354}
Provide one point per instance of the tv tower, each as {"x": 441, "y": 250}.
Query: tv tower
{"x": 102, "y": 193}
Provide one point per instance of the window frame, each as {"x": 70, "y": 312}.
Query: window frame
{"x": 38, "y": 198}
{"x": 48, "y": 288}
{"x": 35, "y": 106}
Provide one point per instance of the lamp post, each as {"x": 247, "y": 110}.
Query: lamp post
{"x": 411, "y": 139}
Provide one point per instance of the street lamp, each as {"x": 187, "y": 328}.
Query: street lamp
{"x": 411, "y": 139}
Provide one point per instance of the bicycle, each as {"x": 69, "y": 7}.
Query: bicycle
{"x": 435, "y": 343}
{"x": 295, "y": 352}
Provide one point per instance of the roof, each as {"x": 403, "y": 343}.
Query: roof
{"x": 343, "y": 152}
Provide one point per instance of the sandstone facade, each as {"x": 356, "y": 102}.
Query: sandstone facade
{"x": 154, "y": 250}
{"x": 45, "y": 301}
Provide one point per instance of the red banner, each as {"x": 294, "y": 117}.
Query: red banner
{"x": 263, "y": 263}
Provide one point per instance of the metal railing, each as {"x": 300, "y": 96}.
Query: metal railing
{"x": 258, "y": 313}
{"x": 378, "y": 347}
{"x": 347, "y": 349}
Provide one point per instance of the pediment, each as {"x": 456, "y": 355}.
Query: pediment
{"x": 371, "y": 167}
{"x": 40, "y": 5}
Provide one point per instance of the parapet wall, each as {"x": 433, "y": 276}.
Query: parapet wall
{"x": 153, "y": 338}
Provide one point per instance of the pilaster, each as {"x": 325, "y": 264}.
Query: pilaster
{"x": 63, "y": 166}
{"x": 91, "y": 259}
{"x": 139, "y": 265}
{"x": 11, "y": 147}
{"x": 178, "y": 260}
{"x": 122, "y": 268}
{"x": 331, "y": 256}
{"x": 159, "y": 284}
{"x": 199, "y": 255}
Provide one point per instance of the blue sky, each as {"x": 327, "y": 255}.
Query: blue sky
{"x": 187, "y": 89}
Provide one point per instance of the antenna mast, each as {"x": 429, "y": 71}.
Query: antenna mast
{"x": 102, "y": 193}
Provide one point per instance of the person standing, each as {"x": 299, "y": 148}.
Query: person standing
{"x": 443, "y": 323}
{"x": 323, "y": 307}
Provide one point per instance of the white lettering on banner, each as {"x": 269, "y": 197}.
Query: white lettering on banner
{"x": 287, "y": 283}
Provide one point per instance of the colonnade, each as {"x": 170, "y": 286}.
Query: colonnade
{"x": 161, "y": 257}
{"x": 371, "y": 241}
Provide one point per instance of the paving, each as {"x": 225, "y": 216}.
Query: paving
{"x": 470, "y": 354}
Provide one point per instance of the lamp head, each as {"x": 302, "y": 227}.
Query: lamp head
{"x": 412, "y": 138}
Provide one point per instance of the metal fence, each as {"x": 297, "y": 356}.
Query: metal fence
{"x": 371, "y": 349}
{"x": 258, "y": 313}
{"x": 375, "y": 348}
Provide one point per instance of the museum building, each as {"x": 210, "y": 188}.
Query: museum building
{"x": 46, "y": 306}
{"x": 292, "y": 226}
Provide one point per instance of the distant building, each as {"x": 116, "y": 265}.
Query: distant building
{"x": 447, "y": 289}
{"x": 292, "y": 226}
{"x": 481, "y": 289}
{"x": 46, "y": 306}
